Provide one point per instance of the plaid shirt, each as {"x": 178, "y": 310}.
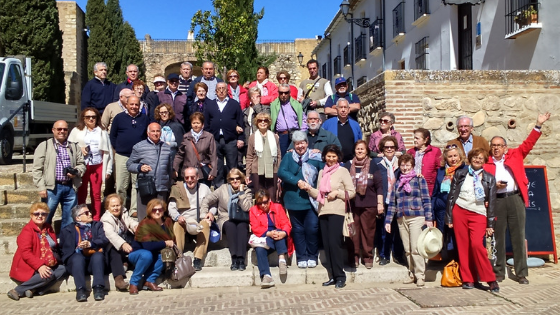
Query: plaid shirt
{"x": 62, "y": 160}
{"x": 415, "y": 203}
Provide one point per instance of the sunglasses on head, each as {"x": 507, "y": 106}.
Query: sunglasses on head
{"x": 451, "y": 146}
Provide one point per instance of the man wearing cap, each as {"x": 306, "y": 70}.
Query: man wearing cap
{"x": 208, "y": 77}
{"x": 151, "y": 98}
{"x": 132, "y": 73}
{"x": 98, "y": 92}
{"x": 172, "y": 96}
{"x": 184, "y": 208}
{"x": 185, "y": 78}
{"x": 341, "y": 87}
{"x": 315, "y": 88}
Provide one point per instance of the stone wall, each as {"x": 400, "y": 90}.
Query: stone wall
{"x": 504, "y": 103}
{"x": 74, "y": 49}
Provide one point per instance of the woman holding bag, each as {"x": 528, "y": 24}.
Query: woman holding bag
{"x": 230, "y": 205}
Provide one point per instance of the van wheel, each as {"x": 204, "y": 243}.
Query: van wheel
{"x": 6, "y": 147}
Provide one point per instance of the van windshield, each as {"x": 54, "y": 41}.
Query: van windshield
{"x": 2, "y": 66}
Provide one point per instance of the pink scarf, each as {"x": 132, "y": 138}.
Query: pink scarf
{"x": 404, "y": 180}
{"x": 325, "y": 184}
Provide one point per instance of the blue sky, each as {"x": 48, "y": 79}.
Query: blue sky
{"x": 283, "y": 20}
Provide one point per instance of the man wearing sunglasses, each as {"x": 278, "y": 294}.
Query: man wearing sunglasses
{"x": 466, "y": 140}
{"x": 287, "y": 116}
{"x": 98, "y": 92}
{"x": 58, "y": 166}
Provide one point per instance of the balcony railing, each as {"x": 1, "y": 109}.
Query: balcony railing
{"x": 398, "y": 20}
{"x": 361, "y": 81}
{"x": 420, "y": 8}
{"x": 347, "y": 59}
{"x": 360, "y": 47}
{"x": 376, "y": 35}
{"x": 421, "y": 48}
{"x": 520, "y": 15}
{"x": 338, "y": 65}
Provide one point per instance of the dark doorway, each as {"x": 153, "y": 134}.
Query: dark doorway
{"x": 465, "y": 37}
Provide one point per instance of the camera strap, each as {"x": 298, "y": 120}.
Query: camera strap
{"x": 69, "y": 145}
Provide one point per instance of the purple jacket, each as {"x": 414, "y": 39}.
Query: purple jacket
{"x": 178, "y": 104}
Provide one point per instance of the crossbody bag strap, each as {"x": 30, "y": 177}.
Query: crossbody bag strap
{"x": 197, "y": 203}
{"x": 283, "y": 114}
{"x": 196, "y": 152}
{"x": 309, "y": 90}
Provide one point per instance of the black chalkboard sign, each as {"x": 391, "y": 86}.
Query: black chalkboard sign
{"x": 539, "y": 228}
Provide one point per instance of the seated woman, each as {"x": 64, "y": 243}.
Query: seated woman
{"x": 82, "y": 252}
{"x": 333, "y": 185}
{"x": 117, "y": 223}
{"x": 409, "y": 201}
{"x": 36, "y": 265}
{"x": 219, "y": 204}
{"x": 268, "y": 219}
{"x": 154, "y": 233}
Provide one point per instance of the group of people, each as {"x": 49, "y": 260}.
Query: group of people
{"x": 305, "y": 160}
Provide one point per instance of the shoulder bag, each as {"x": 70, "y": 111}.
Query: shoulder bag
{"x": 307, "y": 101}
{"x": 147, "y": 183}
{"x": 183, "y": 266}
{"x": 348, "y": 229}
{"x": 205, "y": 168}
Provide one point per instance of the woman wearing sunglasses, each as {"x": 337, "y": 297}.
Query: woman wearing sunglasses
{"x": 98, "y": 157}
{"x": 233, "y": 197}
{"x": 386, "y": 121}
{"x": 37, "y": 264}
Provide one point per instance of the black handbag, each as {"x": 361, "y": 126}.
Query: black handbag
{"x": 146, "y": 185}
{"x": 235, "y": 213}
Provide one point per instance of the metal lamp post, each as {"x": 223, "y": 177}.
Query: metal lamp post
{"x": 362, "y": 22}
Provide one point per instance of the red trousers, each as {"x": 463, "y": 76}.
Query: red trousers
{"x": 93, "y": 176}
{"x": 470, "y": 228}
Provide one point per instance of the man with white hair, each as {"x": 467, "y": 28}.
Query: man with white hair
{"x": 317, "y": 137}
{"x": 346, "y": 129}
{"x": 466, "y": 140}
{"x": 186, "y": 77}
{"x": 98, "y": 92}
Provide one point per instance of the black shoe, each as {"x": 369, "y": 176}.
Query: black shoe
{"x": 340, "y": 284}
{"x": 197, "y": 264}
{"x": 98, "y": 293}
{"x": 81, "y": 295}
{"x": 234, "y": 264}
{"x": 383, "y": 261}
{"x": 241, "y": 264}
{"x": 330, "y": 282}
{"x": 522, "y": 280}
{"x": 494, "y": 287}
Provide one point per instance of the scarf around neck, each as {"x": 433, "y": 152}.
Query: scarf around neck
{"x": 259, "y": 141}
{"x": 446, "y": 182}
{"x": 404, "y": 181}
{"x": 308, "y": 171}
{"x": 360, "y": 180}
{"x": 149, "y": 230}
{"x": 196, "y": 135}
{"x": 325, "y": 184}
{"x": 233, "y": 200}
{"x": 264, "y": 90}
{"x": 478, "y": 188}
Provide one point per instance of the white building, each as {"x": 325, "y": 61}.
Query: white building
{"x": 441, "y": 35}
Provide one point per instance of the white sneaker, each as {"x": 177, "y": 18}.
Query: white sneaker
{"x": 267, "y": 282}
{"x": 302, "y": 264}
{"x": 311, "y": 263}
{"x": 282, "y": 267}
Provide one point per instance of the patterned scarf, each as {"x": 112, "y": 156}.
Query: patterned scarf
{"x": 478, "y": 188}
{"x": 391, "y": 167}
{"x": 361, "y": 179}
{"x": 233, "y": 200}
{"x": 167, "y": 134}
{"x": 404, "y": 181}
{"x": 325, "y": 184}
{"x": 308, "y": 171}
{"x": 446, "y": 182}
{"x": 149, "y": 230}
{"x": 196, "y": 135}
{"x": 47, "y": 255}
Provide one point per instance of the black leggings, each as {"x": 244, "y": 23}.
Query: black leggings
{"x": 237, "y": 234}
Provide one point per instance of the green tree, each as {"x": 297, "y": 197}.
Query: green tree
{"x": 131, "y": 50}
{"x": 31, "y": 29}
{"x": 100, "y": 46}
{"x": 227, "y": 37}
{"x": 116, "y": 22}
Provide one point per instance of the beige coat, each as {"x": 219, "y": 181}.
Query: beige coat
{"x": 44, "y": 164}
{"x": 341, "y": 181}
{"x": 220, "y": 199}
{"x": 111, "y": 227}
{"x": 252, "y": 160}
{"x": 109, "y": 113}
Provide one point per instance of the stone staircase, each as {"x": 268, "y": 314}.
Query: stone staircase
{"x": 17, "y": 193}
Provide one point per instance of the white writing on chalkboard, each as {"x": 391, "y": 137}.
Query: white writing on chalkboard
{"x": 532, "y": 203}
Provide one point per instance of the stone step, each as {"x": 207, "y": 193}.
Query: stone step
{"x": 14, "y": 211}
{"x": 11, "y": 180}
{"x": 19, "y": 196}
{"x": 12, "y": 227}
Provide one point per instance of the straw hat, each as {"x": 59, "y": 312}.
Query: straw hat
{"x": 430, "y": 242}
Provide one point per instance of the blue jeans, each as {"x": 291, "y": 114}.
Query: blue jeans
{"x": 66, "y": 196}
{"x": 305, "y": 232}
{"x": 262, "y": 254}
{"x": 284, "y": 141}
{"x": 387, "y": 242}
{"x": 146, "y": 264}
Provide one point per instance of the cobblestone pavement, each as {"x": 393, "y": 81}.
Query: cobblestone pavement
{"x": 539, "y": 297}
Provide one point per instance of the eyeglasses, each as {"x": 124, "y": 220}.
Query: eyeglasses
{"x": 189, "y": 177}
{"x": 40, "y": 214}
{"x": 61, "y": 129}
{"x": 284, "y": 93}
{"x": 234, "y": 76}
{"x": 90, "y": 117}
{"x": 164, "y": 113}
{"x": 451, "y": 146}
{"x": 497, "y": 145}
{"x": 231, "y": 179}
{"x": 389, "y": 147}
{"x": 85, "y": 213}
{"x": 262, "y": 121}
{"x": 157, "y": 210}
{"x": 282, "y": 78}
{"x": 264, "y": 202}
{"x": 385, "y": 121}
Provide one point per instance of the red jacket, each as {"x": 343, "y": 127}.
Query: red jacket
{"x": 26, "y": 259}
{"x": 269, "y": 95}
{"x": 513, "y": 159}
{"x": 259, "y": 222}
{"x": 243, "y": 97}
{"x": 430, "y": 164}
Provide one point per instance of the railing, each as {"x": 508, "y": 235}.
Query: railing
{"x": 398, "y": 19}
{"x": 421, "y": 48}
{"x": 376, "y": 35}
{"x": 361, "y": 81}
{"x": 165, "y": 46}
{"x": 347, "y": 56}
{"x": 520, "y": 14}
{"x": 421, "y": 8}
{"x": 360, "y": 47}
{"x": 337, "y": 65}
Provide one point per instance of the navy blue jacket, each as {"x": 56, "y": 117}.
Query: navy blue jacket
{"x": 152, "y": 100}
{"x": 383, "y": 172}
{"x": 228, "y": 120}
{"x": 68, "y": 239}
{"x": 439, "y": 199}
{"x": 125, "y": 134}
{"x": 126, "y": 85}
{"x": 191, "y": 93}
{"x": 97, "y": 94}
